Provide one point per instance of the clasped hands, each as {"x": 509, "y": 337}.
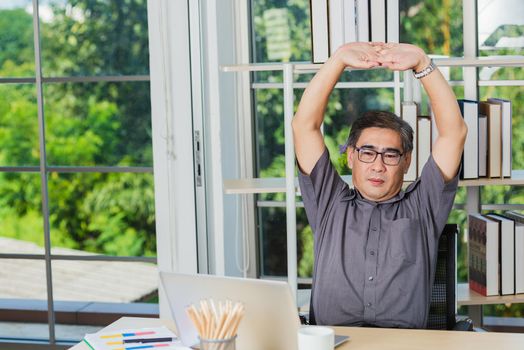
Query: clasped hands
{"x": 394, "y": 56}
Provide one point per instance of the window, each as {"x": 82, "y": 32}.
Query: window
{"x": 437, "y": 27}
{"x": 346, "y": 103}
{"x": 77, "y": 214}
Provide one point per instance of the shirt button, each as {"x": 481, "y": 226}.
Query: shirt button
{"x": 373, "y": 229}
{"x": 372, "y": 252}
{"x": 368, "y": 304}
{"x": 370, "y": 278}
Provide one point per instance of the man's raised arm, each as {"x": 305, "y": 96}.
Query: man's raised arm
{"x": 452, "y": 130}
{"x": 309, "y": 143}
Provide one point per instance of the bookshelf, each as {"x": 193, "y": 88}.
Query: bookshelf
{"x": 278, "y": 184}
{"x": 306, "y": 67}
{"x": 467, "y": 297}
{"x": 289, "y": 184}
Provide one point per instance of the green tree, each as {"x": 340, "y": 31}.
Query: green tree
{"x": 87, "y": 124}
{"x": 16, "y": 39}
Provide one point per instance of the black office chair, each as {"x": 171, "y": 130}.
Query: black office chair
{"x": 442, "y": 306}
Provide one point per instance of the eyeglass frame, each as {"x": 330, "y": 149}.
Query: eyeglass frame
{"x": 358, "y": 149}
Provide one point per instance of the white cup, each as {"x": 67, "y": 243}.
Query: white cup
{"x": 316, "y": 338}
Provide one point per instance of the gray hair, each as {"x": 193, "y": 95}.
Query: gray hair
{"x": 380, "y": 119}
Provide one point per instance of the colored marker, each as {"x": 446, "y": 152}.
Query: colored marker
{"x": 134, "y": 334}
{"x": 144, "y": 347}
{"x": 149, "y": 340}
{"x": 142, "y": 340}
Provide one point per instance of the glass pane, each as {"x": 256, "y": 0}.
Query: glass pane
{"x": 22, "y": 283}
{"x": 21, "y": 223}
{"x": 91, "y": 124}
{"x": 273, "y": 242}
{"x": 83, "y": 38}
{"x": 111, "y": 214}
{"x": 435, "y": 26}
{"x": 269, "y": 120}
{"x": 105, "y": 281}
{"x": 501, "y": 32}
{"x": 18, "y": 125}
{"x": 17, "y": 54}
{"x": 86, "y": 287}
{"x": 500, "y": 27}
{"x": 281, "y": 31}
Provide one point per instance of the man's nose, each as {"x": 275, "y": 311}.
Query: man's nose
{"x": 378, "y": 164}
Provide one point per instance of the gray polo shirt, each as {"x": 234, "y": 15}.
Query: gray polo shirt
{"x": 374, "y": 261}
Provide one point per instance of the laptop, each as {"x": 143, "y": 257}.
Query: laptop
{"x": 270, "y": 320}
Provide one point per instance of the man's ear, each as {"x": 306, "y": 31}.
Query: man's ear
{"x": 350, "y": 155}
{"x": 407, "y": 162}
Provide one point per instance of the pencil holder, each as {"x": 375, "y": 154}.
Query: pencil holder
{"x": 218, "y": 344}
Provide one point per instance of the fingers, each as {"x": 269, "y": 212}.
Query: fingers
{"x": 385, "y": 57}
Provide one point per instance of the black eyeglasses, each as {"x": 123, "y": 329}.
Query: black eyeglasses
{"x": 367, "y": 155}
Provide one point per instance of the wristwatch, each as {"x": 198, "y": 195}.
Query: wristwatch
{"x": 421, "y": 74}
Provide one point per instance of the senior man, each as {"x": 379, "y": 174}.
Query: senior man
{"x": 375, "y": 244}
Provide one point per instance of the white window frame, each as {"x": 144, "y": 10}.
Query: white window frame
{"x": 199, "y": 228}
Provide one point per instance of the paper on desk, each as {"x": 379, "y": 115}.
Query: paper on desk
{"x": 112, "y": 340}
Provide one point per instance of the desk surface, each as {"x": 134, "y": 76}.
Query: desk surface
{"x": 381, "y": 338}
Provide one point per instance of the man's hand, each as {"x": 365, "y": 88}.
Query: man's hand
{"x": 402, "y": 57}
{"x": 359, "y": 55}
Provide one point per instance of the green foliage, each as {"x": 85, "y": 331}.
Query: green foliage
{"x": 435, "y": 26}
{"x": 305, "y": 265}
{"x": 18, "y": 125}
{"x": 16, "y": 39}
{"x": 87, "y": 124}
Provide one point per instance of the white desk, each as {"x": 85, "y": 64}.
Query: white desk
{"x": 381, "y": 338}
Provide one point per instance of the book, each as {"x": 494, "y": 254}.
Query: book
{"x": 470, "y": 156}
{"x": 377, "y": 14}
{"x": 409, "y": 115}
{"x": 363, "y": 20}
{"x": 519, "y": 257}
{"x": 342, "y": 23}
{"x": 493, "y": 113}
{"x": 137, "y": 338}
{"x": 505, "y": 106}
{"x": 483, "y": 255}
{"x": 483, "y": 145}
{"x": 319, "y": 30}
{"x": 350, "y": 21}
{"x": 336, "y": 22}
{"x": 507, "y": 253}
{"x": 423, "y": 142}
{"x": 392, "y": 21}
{"x": 519, "y": 249}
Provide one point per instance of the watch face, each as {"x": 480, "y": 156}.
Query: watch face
{"x": 425, "y": 71}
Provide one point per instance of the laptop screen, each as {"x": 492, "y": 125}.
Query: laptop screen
{"x": 270, "y": 320}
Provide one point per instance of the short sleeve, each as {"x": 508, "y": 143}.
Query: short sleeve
{"x": 435, "y": 195}
{"x": 320, "y": 189}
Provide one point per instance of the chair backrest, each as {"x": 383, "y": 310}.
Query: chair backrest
{"x": 442, "y": 306}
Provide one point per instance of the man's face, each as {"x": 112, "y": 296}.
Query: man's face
{"x": 377, "y": 181}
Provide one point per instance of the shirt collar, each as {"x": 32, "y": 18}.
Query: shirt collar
{"x": 353, "y": 193}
